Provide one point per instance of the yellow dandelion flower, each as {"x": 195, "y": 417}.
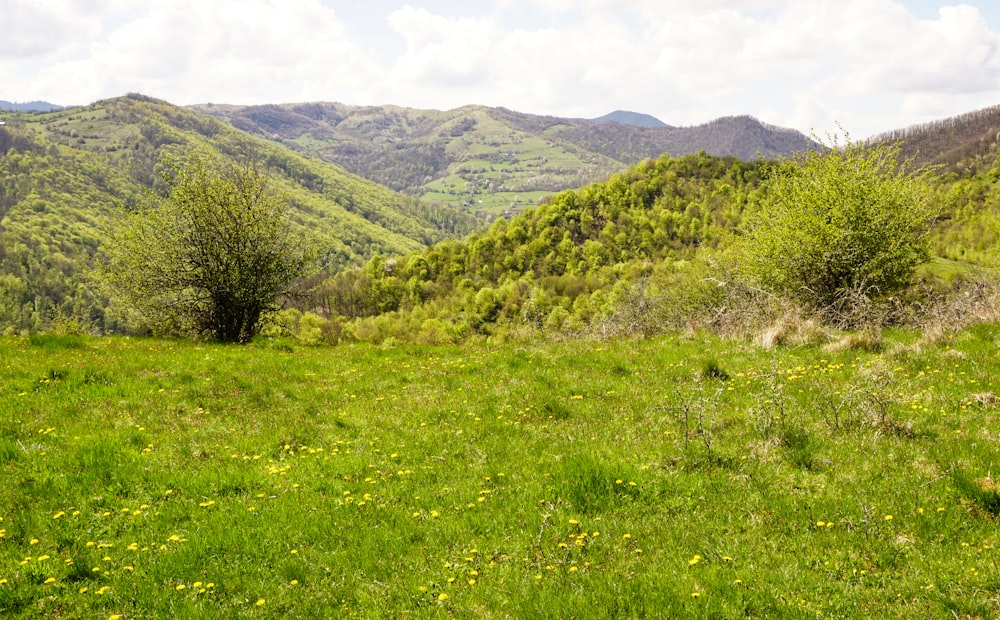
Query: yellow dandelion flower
{"x": 196, "y": 584}
{"x": 180, "y": 586}
{"x": 442, "y": 597}
{"x": 293, "y": 582}
{"x": 50, "y": 580}
{"x": 33, "y": 541}
{"x": 888, "y": 517}
{"x": 260, "y": 602}
{"x": 694, "y": 560}
{"x": 114, "y": 617}
{"x": 695, "y": 594}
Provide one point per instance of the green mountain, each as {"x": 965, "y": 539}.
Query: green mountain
{"x": 640, "y": 238}
{"x": 491, "y": 159}
{"x": 564, "y": 264}
{"x": 64, "y": 174}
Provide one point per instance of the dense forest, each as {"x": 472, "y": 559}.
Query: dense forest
{"x": 556, "y": 266}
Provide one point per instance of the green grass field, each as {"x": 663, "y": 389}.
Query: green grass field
{"x": 669, "y": 477}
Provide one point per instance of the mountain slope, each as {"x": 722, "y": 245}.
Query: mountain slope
{"x": 63, "y": 176}
{"x": 955, "y": 142}
{"x": 743, "y": 137}
{"x": 569, "y": 260}
{"x": 492, "y": 159}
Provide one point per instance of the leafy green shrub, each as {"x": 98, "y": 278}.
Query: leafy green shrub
{"x": 212, "y": 257}
{"x": 847, "y": 221}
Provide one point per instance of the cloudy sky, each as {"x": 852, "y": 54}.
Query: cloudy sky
{"x": 869, "y": 65}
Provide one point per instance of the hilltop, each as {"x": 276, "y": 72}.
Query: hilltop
{"x": 493, "y": 159}
{"x": 636, "y": 119}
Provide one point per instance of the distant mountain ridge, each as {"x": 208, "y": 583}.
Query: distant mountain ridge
{"x": 493, "y": 159}
{"x": 634, "y": 119}
{"x": 30, "y": 106}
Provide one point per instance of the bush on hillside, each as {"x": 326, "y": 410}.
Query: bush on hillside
{"x": 840, "y": 227}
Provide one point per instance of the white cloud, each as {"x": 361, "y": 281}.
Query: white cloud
{"x": 42, "y": 28}
{"x": 870, "y": 64}
{"x": 188, "y": 51}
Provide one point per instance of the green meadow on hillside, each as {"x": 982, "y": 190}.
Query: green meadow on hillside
{"x": 665, "y": 477}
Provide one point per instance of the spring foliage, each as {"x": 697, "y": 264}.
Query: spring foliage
{"x": 210, "y": 258}
{"x": 841, "y": 221}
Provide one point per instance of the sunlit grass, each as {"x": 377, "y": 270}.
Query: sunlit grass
{"x": 670, "y": 478}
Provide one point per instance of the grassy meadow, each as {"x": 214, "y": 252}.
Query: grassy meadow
{"x": 668, "y": 477}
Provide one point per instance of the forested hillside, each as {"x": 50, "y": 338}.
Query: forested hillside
{"x": 657, "y": 234}
{"x": 493, "y": 159}
{"x": 64, "y": 174}
{"x": 960, "y": 143}
{"x": 571, "y": 260}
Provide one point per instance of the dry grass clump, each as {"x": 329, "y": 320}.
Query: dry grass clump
{"x": 712, "y": 299}
{"x": 975, "y": 301}
{"x": 792, "y": 327}
{"x": 865, "y": 340}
